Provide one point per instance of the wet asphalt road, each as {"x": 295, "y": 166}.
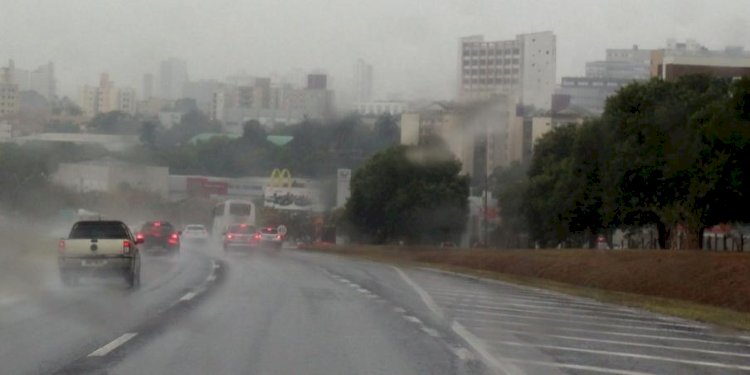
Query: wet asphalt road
{"x": 290, "y": 312}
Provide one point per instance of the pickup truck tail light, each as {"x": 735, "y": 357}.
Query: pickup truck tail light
{"x": 278, "y": 237}
{"x": 174, "y": 238}
{"x": 61, "y": 247}
{"x": 230, "y": 236}
{"x": 256, "y": 236}
{"x": 139, "y": 236}
{"x": 126, "y": 247}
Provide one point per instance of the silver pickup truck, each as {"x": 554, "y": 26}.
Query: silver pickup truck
{"x": 99, "y": 248}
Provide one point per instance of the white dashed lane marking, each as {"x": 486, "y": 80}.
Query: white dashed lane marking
{"x": 188, "y": 296}
{"x": 412, "y": 319}
{"x": 112, "y": 345}
{"x": 429, "y": 331}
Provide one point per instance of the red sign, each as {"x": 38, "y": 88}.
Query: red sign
{"x": 202, "y": 186}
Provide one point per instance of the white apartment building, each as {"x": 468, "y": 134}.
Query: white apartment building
{"x": 8, "y": 96}
{"x": 41, "y": 80}
{"x": 106, "y": 98}
{"x": 377, "y": 108}
{"x": 126, "y": 100}
{"x": 524, "y": 67}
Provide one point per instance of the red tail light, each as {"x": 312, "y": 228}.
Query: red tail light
{"x": 139, "y": 236}
{"x": 174, "y": 238}
{"x": 256, "y": 236}
{"x": 126, "y": 247}
{"x": 278, "y": 237}
{"x": 230, "y": 236}
{"x": 61, "y": 247}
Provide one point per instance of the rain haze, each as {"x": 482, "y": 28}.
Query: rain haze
{"x": 411, "y": 44}
{"x": 407, "y": 187}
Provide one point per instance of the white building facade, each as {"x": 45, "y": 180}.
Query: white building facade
{"x": 524, "y": 67}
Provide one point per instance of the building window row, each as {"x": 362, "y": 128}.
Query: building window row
{"x": 484, "y": 52}
{"x": 491, "y": 81}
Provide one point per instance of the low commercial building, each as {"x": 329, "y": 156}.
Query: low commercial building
{"x": 590, "y": 93}
{"x": 377, "y": 108}
{"x": 110, "y": 142}
{"x": 109, "y": 175}
{"x": 680, "y": 59}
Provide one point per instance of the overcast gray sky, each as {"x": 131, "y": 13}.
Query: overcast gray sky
{"x": 411, "y": 43}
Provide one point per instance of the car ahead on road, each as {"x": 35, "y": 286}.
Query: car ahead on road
{"x": 99, "y": 248}
{"x": 241, "y": 236}
{"x": 270, "y": 237}
{"x": 194, "y": 234}
{"x": 160, "y": 235}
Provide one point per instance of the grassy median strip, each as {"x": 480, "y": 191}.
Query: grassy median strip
{"x": 672, "y": 283}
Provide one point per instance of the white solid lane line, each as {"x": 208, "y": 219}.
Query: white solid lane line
{"x": 626, "y": 343}
{"x": 566, "y": 321}
{"x": 476, "y": 344}
{"x": 114, "y": 344}
{"x": 601, "y": 370}
{"x": 538, "y": 295}
{"x": 553, "y": 301}
{"x": 579, "y": 317}
{"x": 628, "y": 355}
{"x": 599, "y": 332}
{"x": 555, "y": 307}
{"x": 426, "y": 298}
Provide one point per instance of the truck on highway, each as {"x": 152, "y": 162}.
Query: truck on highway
{"x": 101, "y": 248}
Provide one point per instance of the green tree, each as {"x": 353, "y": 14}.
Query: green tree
{"x": 149, "y": 133}
{"x": 547, "y": 203}
{"x": 114, "y": 122}
{"x": 253, "y": 133}
{"x": 509, "y": 185}
{"x": 661, "y": 159}
{"x": 413, "y": 193}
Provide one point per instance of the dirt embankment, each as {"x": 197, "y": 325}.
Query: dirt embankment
{"x": 717, "y": 279}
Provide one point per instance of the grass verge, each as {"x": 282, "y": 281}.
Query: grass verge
{"x": 658, "y": 301}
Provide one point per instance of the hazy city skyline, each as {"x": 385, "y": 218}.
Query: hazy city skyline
{"x": 411, "y": 45}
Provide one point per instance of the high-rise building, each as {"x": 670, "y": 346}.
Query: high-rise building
{"x": 106, "y": 98}
{"x": 626, "y": 64}
{"x": 40, "y": 80}
{"x": 106, "y": 95}
{"x": 172, "y": 77}
{"x": 8, "y": 94}
{"x": 148, "y": 86}
{"x": 524, "y": 67}
{"x": 126, "y": 101}
{"x": 362, "y": 82}
{"x": 317, "y": 81}
{"x": 202, "y": 92}
{"x": 603, "y": 78}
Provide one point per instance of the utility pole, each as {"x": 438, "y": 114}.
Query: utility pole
{"x": 486, "y": 194}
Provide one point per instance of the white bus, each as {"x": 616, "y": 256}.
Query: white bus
{"x": 232, "y": 212}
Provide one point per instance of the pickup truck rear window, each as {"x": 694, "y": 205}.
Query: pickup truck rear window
{"x": 98, "y": 230}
